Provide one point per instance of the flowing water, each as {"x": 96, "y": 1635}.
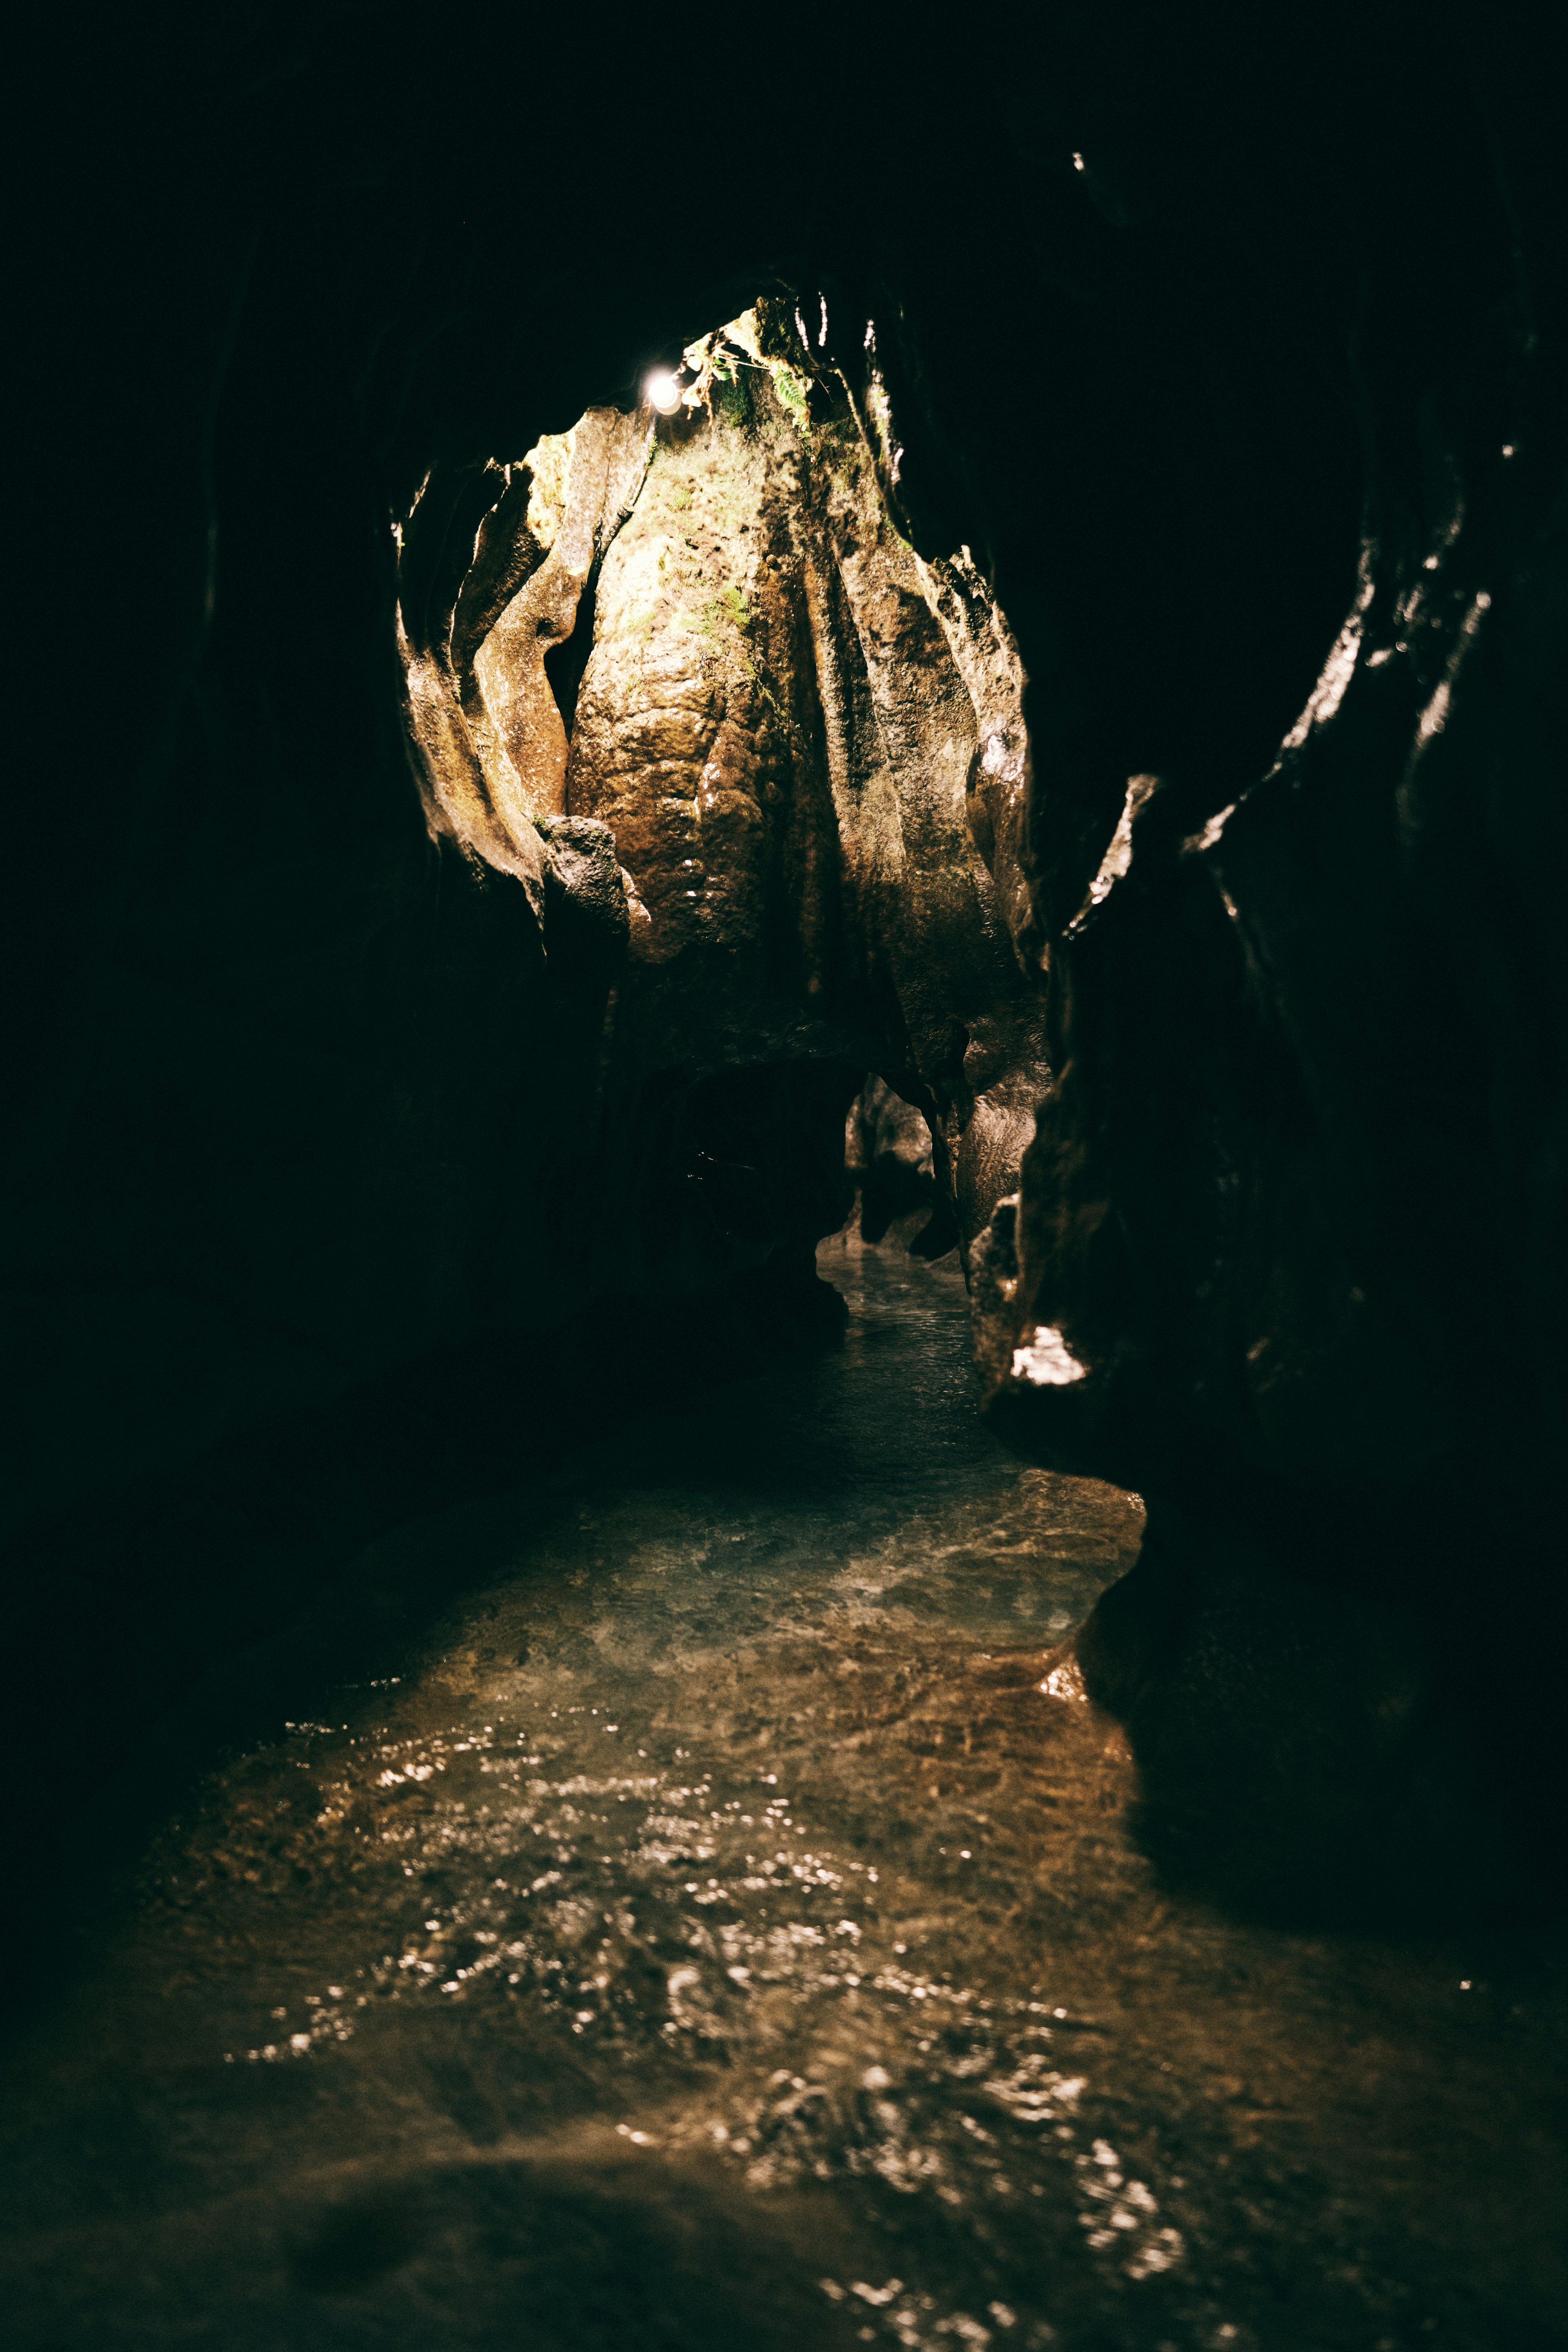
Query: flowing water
{"x": 722, "y": 1929}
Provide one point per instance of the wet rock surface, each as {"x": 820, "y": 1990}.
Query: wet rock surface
{"x": 724, "y": 1928}
{"x": 888, "y": 1155}
{"x": 803, "y": 743}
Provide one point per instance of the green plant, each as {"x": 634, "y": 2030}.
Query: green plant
{"x": 730, "y": 606}
{"x": 733, "y": 398}
{"x": 794, "y": 395}
{"x": 763, "y": 689}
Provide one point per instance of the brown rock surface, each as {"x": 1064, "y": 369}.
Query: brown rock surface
{"x": 493, "y": 564}
{"x": 805, "y": 743}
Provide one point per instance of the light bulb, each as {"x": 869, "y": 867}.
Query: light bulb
{"x": 663, "y": 390}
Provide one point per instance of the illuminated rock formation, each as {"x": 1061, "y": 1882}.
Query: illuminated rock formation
{"x": 802, "y": 743}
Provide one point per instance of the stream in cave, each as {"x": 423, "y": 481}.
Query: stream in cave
{"x": 724, "y": 1930}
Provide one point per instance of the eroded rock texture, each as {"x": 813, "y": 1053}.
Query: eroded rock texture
{"x": 491, "y": 574}
{"x": 801, "y": 743}
{"x": 888, "y": 1155}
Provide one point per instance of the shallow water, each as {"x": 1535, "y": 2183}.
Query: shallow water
{"x": 723, "y": 1929}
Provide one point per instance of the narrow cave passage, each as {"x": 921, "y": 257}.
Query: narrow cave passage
{"x": 725, "y": 1921}
{"x": 585, "y": 1771}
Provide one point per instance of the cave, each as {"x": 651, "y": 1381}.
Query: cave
{"x": 787, "y": 1233}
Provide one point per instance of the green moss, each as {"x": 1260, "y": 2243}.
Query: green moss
{"x": 729, "y": 605}
{"x": 734, "y": 608}
{"x": 731, "y": 608}
{"x": 734, "y": 400}
{"x": 793, "y": 392}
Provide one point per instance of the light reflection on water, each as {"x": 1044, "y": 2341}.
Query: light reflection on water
{"x": 716, "y": 1934}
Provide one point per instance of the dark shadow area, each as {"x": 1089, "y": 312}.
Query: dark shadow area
{"x": 269, "y": 1555}
{"x": 1346, "y": 1764}
{"x": 565, "y": 663}
{"x": 578, "y": 2258}
{"x": 892, "y": 1160}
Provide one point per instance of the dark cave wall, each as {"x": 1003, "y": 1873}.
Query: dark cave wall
{"x": 1299, "y": 1208}
{"x": 301, "y": 1104}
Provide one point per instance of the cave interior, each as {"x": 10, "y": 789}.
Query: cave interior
{"x": 824, "y": 800}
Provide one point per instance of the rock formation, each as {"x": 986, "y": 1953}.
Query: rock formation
{"x": 889, "y": 1158}
{"x": 797, "y": 743}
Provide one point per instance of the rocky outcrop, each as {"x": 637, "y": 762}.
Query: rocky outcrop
{"x": 492, "y": 564}
{"x": 802, "y": 743}
{"x": 1286, "y": 1255}
{"x": 888, "y": 1158}
{"x": 1270, "y": 1166}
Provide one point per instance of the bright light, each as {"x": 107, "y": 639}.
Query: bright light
{"x": 663, "y": 390}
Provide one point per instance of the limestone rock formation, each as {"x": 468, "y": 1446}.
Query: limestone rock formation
{"x": 803, "y": 742}
{"x": 888, "y": 1155}
{"x": 492, "y": 570}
